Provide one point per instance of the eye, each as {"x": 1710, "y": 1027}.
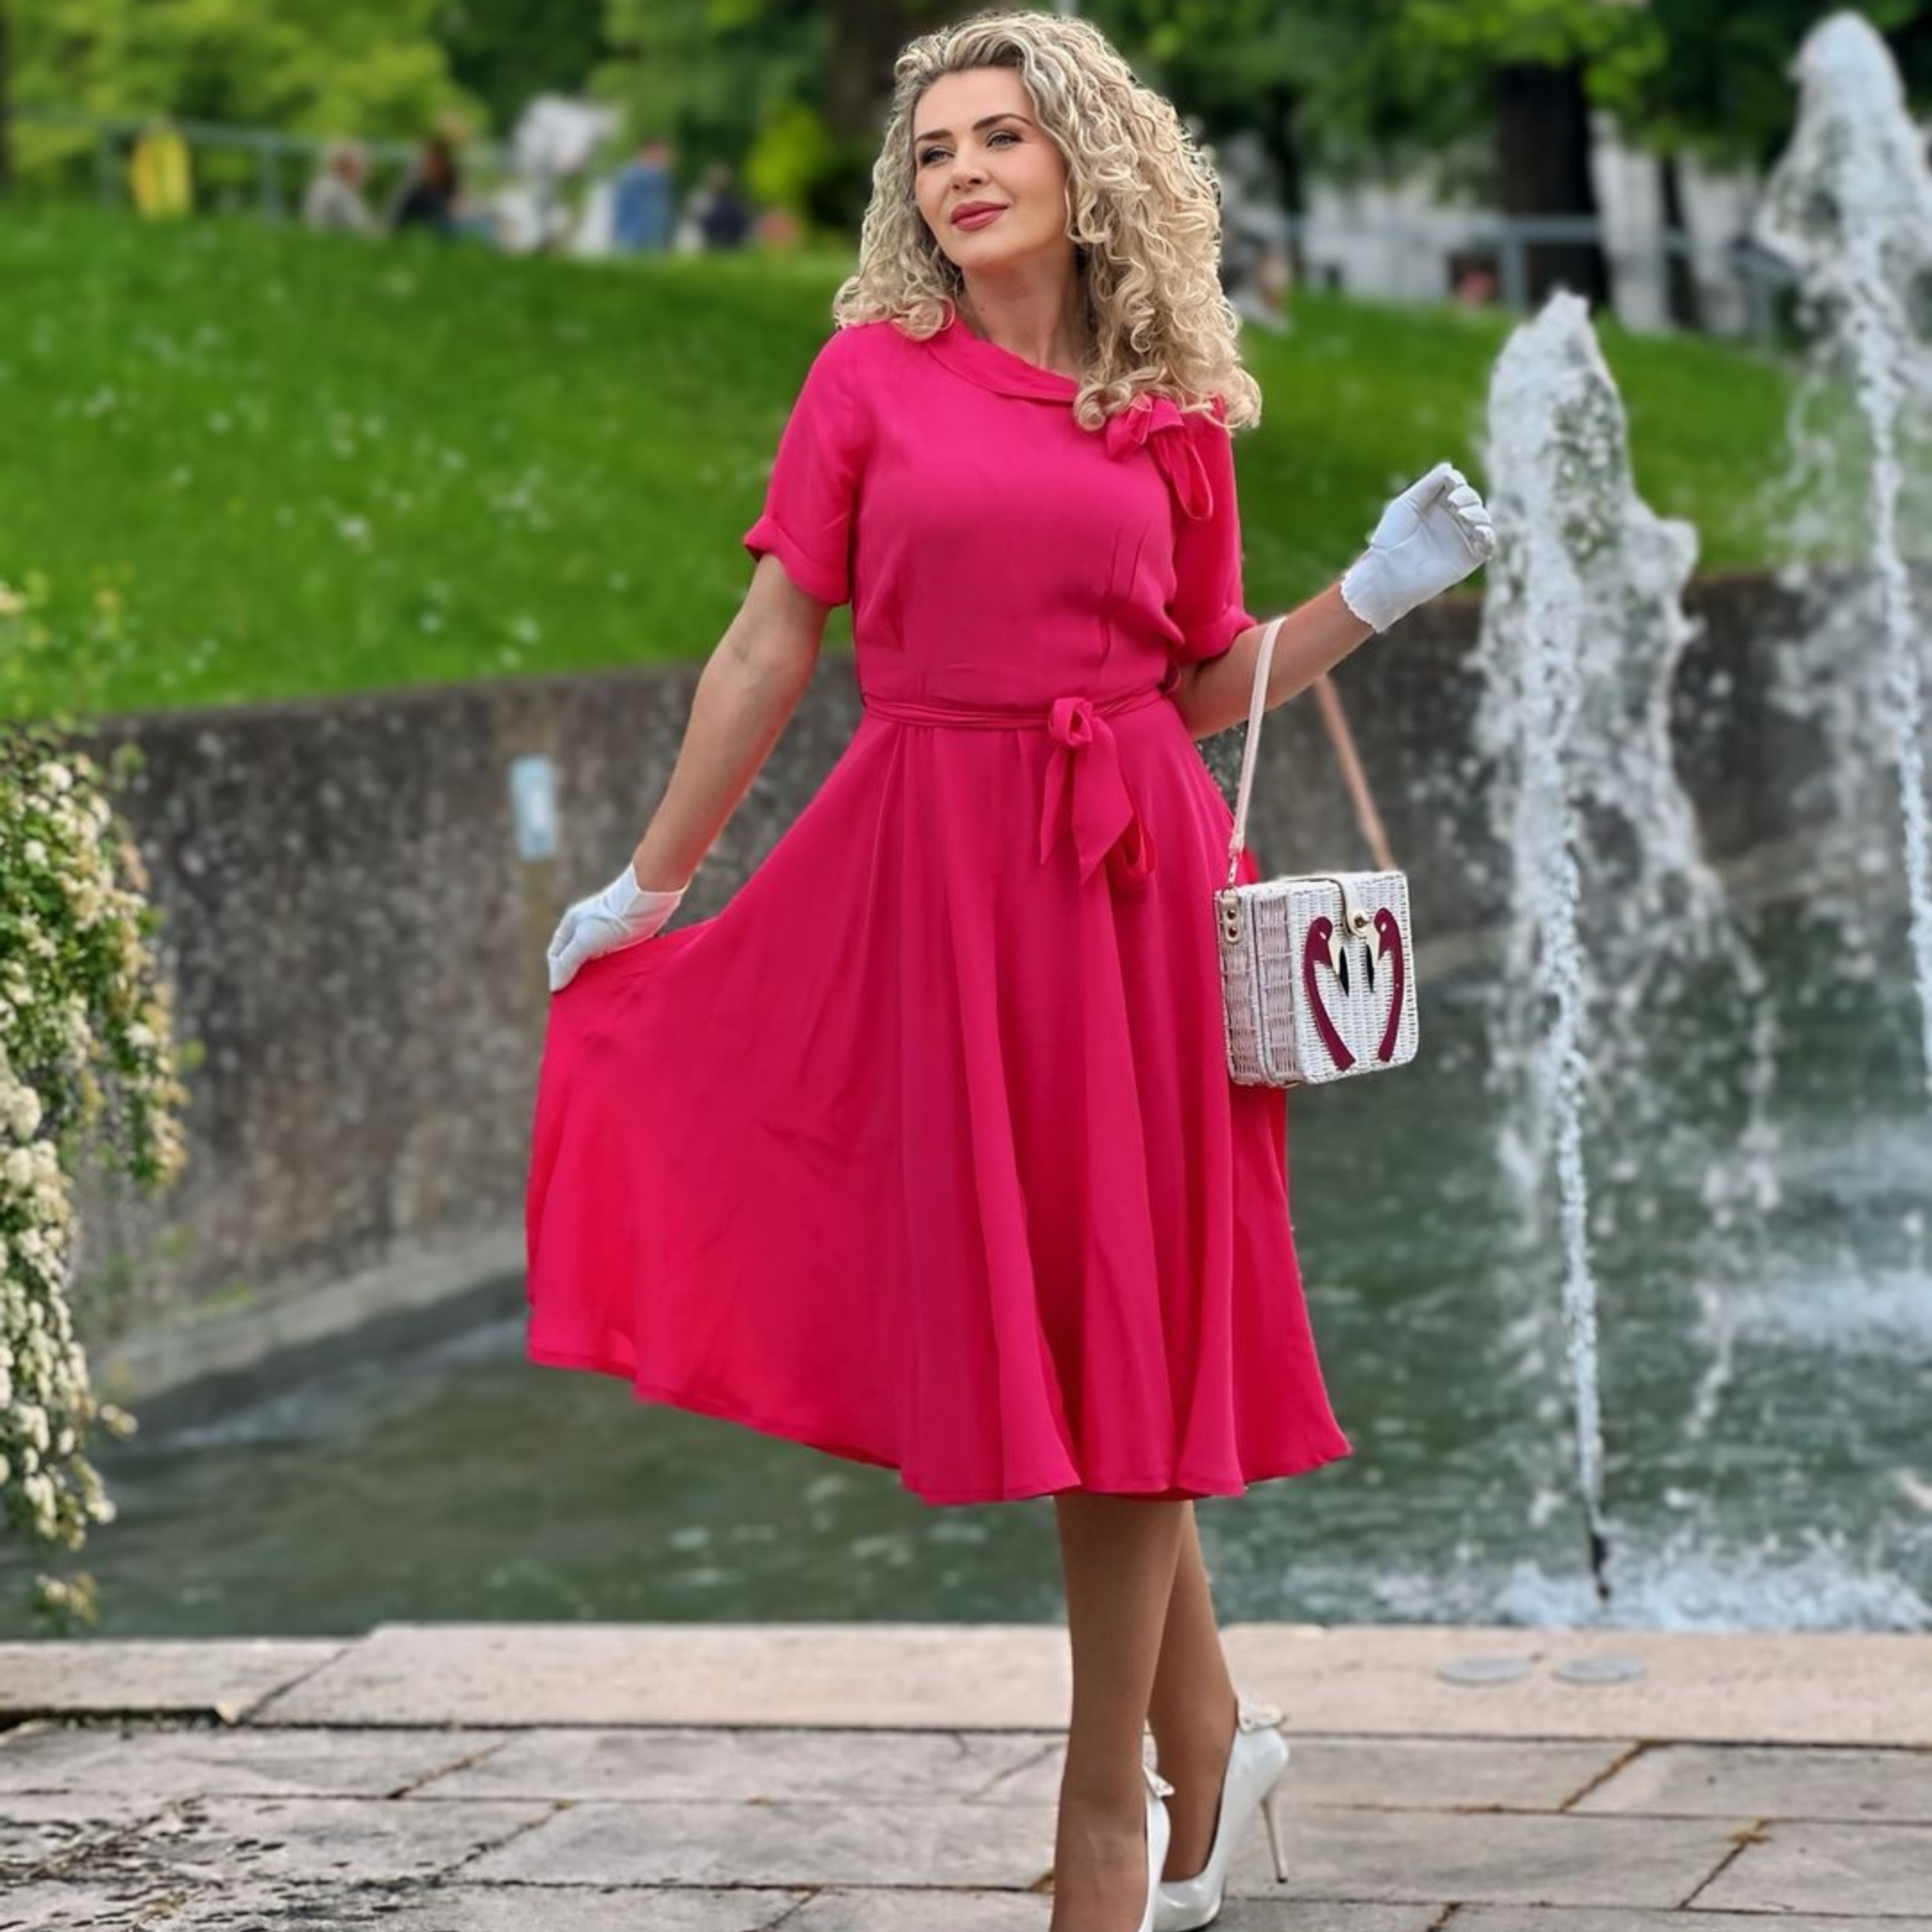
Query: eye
{"x": 1010, "y": 133}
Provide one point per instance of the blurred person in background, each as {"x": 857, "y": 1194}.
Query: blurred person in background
{"x": 161, "y": 174}
{"x": 643, "y": 210}
{"x": 429, "y": 197}
{"x": 723, "y": 214}
{"x": 334, "y": 197}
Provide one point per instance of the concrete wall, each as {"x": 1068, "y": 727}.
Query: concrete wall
{"x": 359, "y": 944}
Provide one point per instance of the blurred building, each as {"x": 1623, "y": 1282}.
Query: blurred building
{"x": 1400, "y": 241}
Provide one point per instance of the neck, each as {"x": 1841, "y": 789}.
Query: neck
{"x": 1045, "y": 324}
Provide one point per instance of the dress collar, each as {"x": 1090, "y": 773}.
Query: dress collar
{"x": 994, "y": 368}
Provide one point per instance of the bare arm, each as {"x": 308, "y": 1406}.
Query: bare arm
{"x": 745, "y": 696}
{"x": 1215, "y": 693}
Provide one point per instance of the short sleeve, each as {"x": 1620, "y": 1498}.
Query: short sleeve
{"x": 814, "y": 480}
{"x": 1208, "y": 607}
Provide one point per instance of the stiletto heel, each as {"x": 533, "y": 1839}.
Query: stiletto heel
{"x": 1273, "y": 1823}
{"x": 1256, "y": 1760}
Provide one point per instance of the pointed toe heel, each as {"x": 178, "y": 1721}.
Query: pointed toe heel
{"x": 1256, "y": 1760}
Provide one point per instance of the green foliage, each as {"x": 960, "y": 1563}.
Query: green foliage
{"x": 714, "y": 76}
{"x": 1535, "y": 33}
{"x": 1236, "y": 65}
{"x": 1726, "y": 91}
{"x": 372, "y": 67}
{"x": 1354, "y": 87}
{"x": 248, "y": 463}
{"x": 506, "y": 51}
{"x": 792, "y": 154}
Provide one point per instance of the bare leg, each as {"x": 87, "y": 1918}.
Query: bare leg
{"x": 1192, "y": 1708}
{"x": 1119, "y": 1554}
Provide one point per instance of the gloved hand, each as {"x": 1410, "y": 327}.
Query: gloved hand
{"x": 623, "y": 914}
{"x": 1431, "y": 536}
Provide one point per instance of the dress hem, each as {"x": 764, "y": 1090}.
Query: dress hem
{"x": 1180, "y": 1489}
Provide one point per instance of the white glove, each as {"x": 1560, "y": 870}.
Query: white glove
{"x": 623, "y": 914}
{"x": 1431, "y": 536}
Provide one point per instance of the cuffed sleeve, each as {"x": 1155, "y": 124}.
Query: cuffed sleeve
{"x": 1207, "y": 608}
{"x": 812, "y": 493}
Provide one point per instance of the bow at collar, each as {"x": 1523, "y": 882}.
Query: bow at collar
{"x": 1156, "y": 423}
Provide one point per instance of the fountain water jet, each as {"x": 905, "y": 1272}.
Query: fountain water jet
{"x": 1849, "y": 204}
{"x": 1615, "y": 918}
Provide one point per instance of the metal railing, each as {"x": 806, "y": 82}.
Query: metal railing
{"x": 272, "y": 150}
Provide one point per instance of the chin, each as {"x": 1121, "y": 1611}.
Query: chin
{"x": 995, "y": 261}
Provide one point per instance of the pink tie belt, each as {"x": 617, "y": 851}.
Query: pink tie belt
{"x": 1086, "y": 794}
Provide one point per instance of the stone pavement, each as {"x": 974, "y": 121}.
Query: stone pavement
{"x": 892, "y": 1778}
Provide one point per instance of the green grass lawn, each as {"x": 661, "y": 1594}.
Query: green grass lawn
{"x": 243, "y": 463}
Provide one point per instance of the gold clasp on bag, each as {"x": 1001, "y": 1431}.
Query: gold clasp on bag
{"x": 1354, "y": 917}
{"x": 1228, "y": 904}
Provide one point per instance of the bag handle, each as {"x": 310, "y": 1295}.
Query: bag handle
{"x": 1366, "y": 815}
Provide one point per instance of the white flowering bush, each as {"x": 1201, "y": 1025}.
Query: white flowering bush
{"x": 87, "y": 1062}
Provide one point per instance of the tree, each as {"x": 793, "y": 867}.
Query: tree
{"x": 506, "y": 51}
{"x": 371, "y": 67}
{"x": 1249, "y": 66}
{"x": 1532, "y": 68}
{"x": 794, "y": 90}
{"x": 709, "y": 75}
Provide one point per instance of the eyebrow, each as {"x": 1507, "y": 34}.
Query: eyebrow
{"x": 987, "y": 121}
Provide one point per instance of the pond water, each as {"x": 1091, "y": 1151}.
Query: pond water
{"x": 1765, "y": 1417}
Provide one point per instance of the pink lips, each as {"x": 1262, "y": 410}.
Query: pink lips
{"x": 977, "y": 217}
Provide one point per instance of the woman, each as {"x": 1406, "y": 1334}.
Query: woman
{"x": 922, "y": 1150}
{"x": 429, "y": 198}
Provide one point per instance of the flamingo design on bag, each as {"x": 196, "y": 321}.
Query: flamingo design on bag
{"x": 1359, "y": 993}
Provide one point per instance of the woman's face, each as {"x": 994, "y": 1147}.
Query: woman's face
{"x": 976, "y": 140}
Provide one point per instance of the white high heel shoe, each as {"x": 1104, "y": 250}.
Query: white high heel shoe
{"x": 1159, "y": 1830}
{"x": 1256, "y": 1760}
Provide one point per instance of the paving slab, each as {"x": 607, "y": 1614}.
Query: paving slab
{"x": 1441, "y": 1774}
{"x": 916, "y": 1676}
{"x": 85, "y": 1906}
{"x": 1545, "y": 1919}
{"x": 1837, "y": 1687}
{"x": 422, "y": 1780}
{"x": 464, "y": 1908}
{"x": 58, "y": 1829}
{"x": 1491, "y": 1858}
{"x": 180, "y": 1907}
{"x": 198, "y": 1677}
{"x": 1699, "y": 1781}
{"x": 1746, "y": 1688}
{"x": 794, "y": 1843}
{"x": 208, "y": 1761}
{"x": 335, "y": 1840}
{"x": 849, "y": 1767}
{"x": 1862, "y": 1870}
{"x": 474, "y": 1908}
{"x": 844, "y": 1910}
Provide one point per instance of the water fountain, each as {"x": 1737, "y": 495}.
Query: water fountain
{"x": 1849, "y": 204}
{"x": 1616, "y": 921}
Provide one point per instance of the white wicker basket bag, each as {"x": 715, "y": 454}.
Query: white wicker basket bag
{"x": 1318, "y": 971}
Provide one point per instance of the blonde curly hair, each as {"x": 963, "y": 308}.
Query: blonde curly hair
{"x": 1146, "y": 208}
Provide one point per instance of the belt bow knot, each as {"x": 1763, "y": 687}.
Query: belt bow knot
{"x": 1087, "y": 795}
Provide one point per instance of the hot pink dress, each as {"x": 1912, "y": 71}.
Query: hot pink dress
{"x": 922, "y": 1151}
